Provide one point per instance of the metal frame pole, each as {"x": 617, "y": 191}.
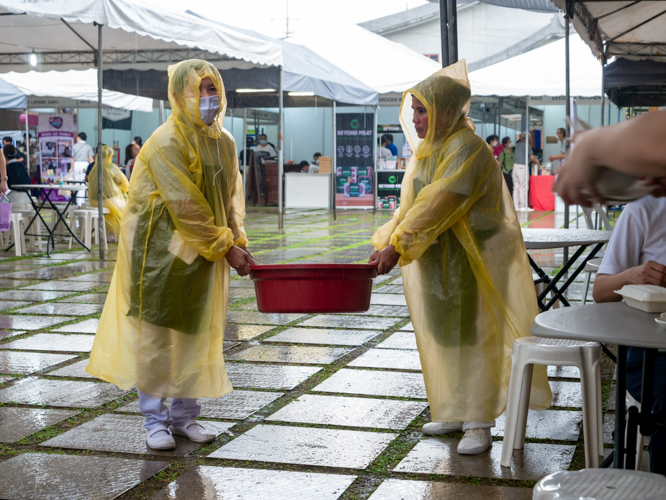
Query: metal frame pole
{"x": 453, "y": 31}
{"x": 280, "y": 151}
{"x": 603, "y": 86}
{"x": 232, "y": 121}
{"x": 27, "y": 142}
{"x": 245, "y": 151}
{"x": 100, "y": 170}
{"x": 374, "y": 158}
{"x": 565, "y": 252}
{"x": 334, "y": 174}
{"x": 444, "y": 32}
{"x": 527, "y": 151}
{"x": 161, "y": 112}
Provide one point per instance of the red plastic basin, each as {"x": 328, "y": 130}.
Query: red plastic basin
{"x": 313, "y": 288}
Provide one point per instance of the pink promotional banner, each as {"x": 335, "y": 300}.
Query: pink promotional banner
{"x": 56, "y": 139}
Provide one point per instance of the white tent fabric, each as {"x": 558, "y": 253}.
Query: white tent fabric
{"x": 636, "y": 30}
{"x": 76, "y": 85}
{"x": 135, "y": 32}
{"x": 381, "y": 64}
{"x": 11, "y": 97}
{"x": 541, "y": 73}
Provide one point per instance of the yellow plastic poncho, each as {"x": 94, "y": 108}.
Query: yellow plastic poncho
{"x": 163, "y": 321}
{"x": 114, "y": 190}
{"x": 465, "y": 269}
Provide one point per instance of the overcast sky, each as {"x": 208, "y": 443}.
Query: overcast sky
{"x": 269, "y": 16}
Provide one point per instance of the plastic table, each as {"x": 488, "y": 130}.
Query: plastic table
{"x": 538, "y": 239}
{"x": 46, "y": 190}
{"x": 614, "y": 323}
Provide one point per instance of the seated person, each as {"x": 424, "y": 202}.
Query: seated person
{"x": 636, "y": 255}
{"x": 263, "y": 146}
{"x": 304, "y": 167}
{"x": 16, "y": 174}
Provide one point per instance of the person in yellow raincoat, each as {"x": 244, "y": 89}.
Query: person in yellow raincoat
{"x": 162, "y": 325}
{"x": 466, "y": 274}
{"x": 114, "y": 190}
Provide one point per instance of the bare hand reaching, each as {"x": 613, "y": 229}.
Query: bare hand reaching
{"x": 240, "y": 259}
{"x": 386, "y": 260}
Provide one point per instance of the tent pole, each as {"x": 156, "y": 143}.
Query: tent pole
{"x": 160, "y": 110}
{"x": 232, "y": 121}
{"x": 334, "y": 175}
{"x": 444, "y": 32}
{"x": 245, "y": 151}
{"x": 100, "y": 170}
{"x": 453, "y": 31}
{"x": 27, "y": 141}
{"x": 527, "y": 150}
{"x": 565, "y": 250}
{"x": 374, "y": 156}
{"x": 280, "y": 151}
{"x": 603, "y": 87}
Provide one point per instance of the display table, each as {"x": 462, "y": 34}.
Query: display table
{"x": 542, "y": 197}
{"x": 307, "y": 190}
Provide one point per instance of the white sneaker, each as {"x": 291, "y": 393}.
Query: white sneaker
{"x": 160, "y": 439}
{"x": 194, "y": 431}
{"x": 475, "y": 441}
{"x": 440, "y": 428}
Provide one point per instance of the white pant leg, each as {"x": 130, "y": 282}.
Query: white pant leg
{"x": 519, "y": 176}
{"x": 154, "y": 409}
{"x": 184, "y": 410}
{"x": 478, "y": 425}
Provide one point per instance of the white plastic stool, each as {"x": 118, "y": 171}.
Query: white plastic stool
{"x": 95, "y": 226}
{"x": 530, "y": 351}
{"x": 17, "y": 232}
{"x": 601, "y": 484}
{"x": 87, "y": 222}
{"x": 640, "y": 439}
{"x": 27, "y": 213}
{"x": 590, "y": 268}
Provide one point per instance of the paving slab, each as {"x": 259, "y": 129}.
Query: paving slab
{"x": 563, "y": 372}
{"x": 4, "y": 283}
{"x": 398, "y": 489}
{"x": 52, "y": 342}
{"x": 409, "y": 327}
{"x": 29, "y": 322}
{"x": 306, "y": 446}
{"x": 4, "y": 379}
{"x": 71, "y": 477}
{"x": 32, "y": 296}
{"x": 87, "y": 326}
{"x": 375, "y": 383}
{"x": 76, "y": 370}
{"x": 101, "y": 278}
{"x": 557, "y": 425}
{"x": 241, "y": 293}
{"x": 257, "y": 318}
{"x": 350, "y": 322}
{"x": 399, "y": 340}
{"x": 11, "y": 304}
{"x": 388, "y": 299}
{"x": 5, "y": 334}
{"x": 389, "y": 289}
{"x": 125, "y": 434}
{"x": 312, "y": 355}
{"x": 17, "y": 423}
{"x": 60, "y": 393}
{"x": 256, "y": 376}
{"x": 237, "y": 405}
{"x": 392, "y": 359}
{"x": 350, "y": 412}
{"x": 244, "y": 332}
{"x": 397, "y": 281}
{"x": 440, "y": 456}
{"x": 391, "y": 311}
{"x": 63, "y": 286}
{"x": 566, "y": 394}
{"x": 209, "y": 483}
{"x": 25, "y": 363}
{"x": 65, "y": 271}
{"x": 242, "y": 283}
{"x": 64, "y": 309}
{"x": 324, "y": 336}
{"x": 88, "y": 298}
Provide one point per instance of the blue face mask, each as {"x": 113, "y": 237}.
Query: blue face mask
{"x": 263, "y": 142}
{"x": 209, "y": 107}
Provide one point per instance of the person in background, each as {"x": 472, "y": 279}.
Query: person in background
{"x": 636, "y": 255}
{"x": 494, "y": 143}
{"x": 382, "y": 150}
{"x": 521, "y": 174}
{"x": 264, "y": 146}
{"x": 3, "y": 175}
{"x": 84, "y": 155}
{"x": 19, "y": 155}
{"x": 304, "y": 167}
{"x": 558, "y": 160}
{"x": 131, "y": 152}
{"x": 387, "y": 142}
{"x": 16, "y": 174}
{"x": 465, "y": 270}
{"x": 506, "y": 159}
{"x": 138, "y": 142}
{"x": 315, "y": 158}
{"x": 114, "y": 194}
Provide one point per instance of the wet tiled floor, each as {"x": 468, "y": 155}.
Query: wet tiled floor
{"x": 340, "y": 393}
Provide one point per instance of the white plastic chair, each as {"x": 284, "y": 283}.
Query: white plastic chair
{"x": 530, "y": 351}
{"x": 601, "y": 484}
{"x": 87, "y": 220}
{"x": 16, "y": 232}
{"x": 27, "y": 213}
{"x": 593, "y": 265}
{"x": 640, "y": 439}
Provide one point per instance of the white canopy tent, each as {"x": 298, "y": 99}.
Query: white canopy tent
{"x": 80, "y": 34}
{"x": 541, "y": 73}
{"x": 74, "y": 85}
{"x": 381, "y": 64}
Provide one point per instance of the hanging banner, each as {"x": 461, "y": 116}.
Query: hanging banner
{"x": 354, "y": 163}
{"x": 116, "y": 118}
{"x": 389, "y": 183}
{"x": 56, "y": 138}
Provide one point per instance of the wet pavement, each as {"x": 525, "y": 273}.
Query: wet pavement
{"x": 326, "y": 406}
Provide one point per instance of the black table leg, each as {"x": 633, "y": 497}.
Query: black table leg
{"x": 60, "y": 218}
{"x": 620, "y": 392}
